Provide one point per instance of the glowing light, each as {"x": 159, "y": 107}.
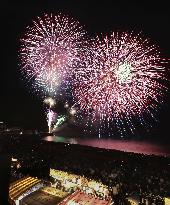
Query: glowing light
{"x": 124, "y": 73}
{"x": 50, "y": 101}
{"x": 73, "y": 111}
{"x": 66, "y": 105}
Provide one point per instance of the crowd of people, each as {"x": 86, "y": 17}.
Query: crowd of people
{"x": 126, "y": 174}
{"x": 124, "y": 178}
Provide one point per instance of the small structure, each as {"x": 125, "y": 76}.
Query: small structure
{"x": 2, "y": 126}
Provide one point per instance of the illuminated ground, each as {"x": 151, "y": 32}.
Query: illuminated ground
{"x": 143, "y": 147}
{"x": 128, "y": 146}
{"x": 45, "y": 196}
{"x": 81, "y": 198}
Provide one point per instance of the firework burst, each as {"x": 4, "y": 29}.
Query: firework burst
{"x": 120, "y": 79}
{"x": 49, "y": 50}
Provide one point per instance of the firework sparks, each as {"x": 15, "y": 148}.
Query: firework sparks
{"x": 72, "y": 111}
{"x": 120, "y": 79}
{"x": 49, "y": 50}
{"x": 50, "y": 102}
{"x": 50, "y": 118}
{"x": 60, "y": 120}
{"x": 50, "y": 114}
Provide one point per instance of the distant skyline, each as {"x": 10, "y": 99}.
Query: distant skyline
{"x": 18, "y": 105}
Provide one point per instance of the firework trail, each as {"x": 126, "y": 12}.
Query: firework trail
{"x": 60, "y": 120}
{"x": 49, "y": 51}
{"x": 50, "y": 102}
{"x": 120, "y": 79}
{"x": 50, "y": 118}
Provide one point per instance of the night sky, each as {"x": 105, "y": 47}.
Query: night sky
{"x": 18, "y": 106}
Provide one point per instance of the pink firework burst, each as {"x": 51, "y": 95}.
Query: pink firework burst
{"x": 49, "y": 50}
{"x": 121, "y": 78}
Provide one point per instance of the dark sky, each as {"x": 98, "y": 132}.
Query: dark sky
{"x": 17, "y": 105}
